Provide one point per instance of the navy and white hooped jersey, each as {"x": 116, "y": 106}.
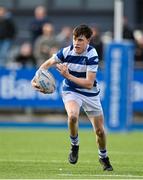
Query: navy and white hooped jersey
{"x": 79, "y": 65}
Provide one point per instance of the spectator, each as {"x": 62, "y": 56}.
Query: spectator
{"x": 127, "y": 31}
{"x": 7, "y": 33}
{"x": 139, "y": 48}
{"x": 64, "y": 37}
{"x": 25, "y": 58}
{"x": 137, "y": 38}
{"x": 40, "y": 18}
{"x": 96, "y": 41}
{"x": 45, "y": 44}
{"x": 139, "y": 51}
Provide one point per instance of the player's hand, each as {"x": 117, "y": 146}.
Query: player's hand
{"x": 63, "y": 69}
{"x": 36, "y": 86}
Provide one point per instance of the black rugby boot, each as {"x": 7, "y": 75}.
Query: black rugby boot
{"x": 73, "y": 156}
{"x": 106, "y": 164}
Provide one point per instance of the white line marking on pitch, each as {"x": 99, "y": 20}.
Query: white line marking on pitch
{"x": 54, "y": 161}
{"x": 32, "y": 160}
{"x": 96, "y": 175}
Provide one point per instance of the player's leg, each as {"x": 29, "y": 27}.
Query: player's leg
{"x": 72, "y": 106}
{"x": 98, "y": 126}
{"x": 72, "y": 109}
{"x": 93, "y": 109}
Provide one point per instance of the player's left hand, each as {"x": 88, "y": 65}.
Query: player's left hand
{"x": 63, "y": 69}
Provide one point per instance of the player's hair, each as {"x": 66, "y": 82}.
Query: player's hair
{"x": 82, "y": 29}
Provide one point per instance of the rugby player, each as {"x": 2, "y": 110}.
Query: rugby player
{"x": 78, "y": 63}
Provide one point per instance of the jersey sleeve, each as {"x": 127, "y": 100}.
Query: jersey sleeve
{"x": 62, "y": 54}
{"x": 59, "y": 57}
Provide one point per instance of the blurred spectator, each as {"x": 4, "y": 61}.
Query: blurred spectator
{"x": 40, "y": 18}
{"x": 139, "y": 51}
{"x": 138, "y": 34}
{"x": 127, "y": 31}
{"x": 46, "y": 44}
{"x": 7, "y": 33}
{"x": 65, "y": 36}
{"x": 134, "y": 36}
{"x": 25, "y": 57}
{"x": 96, "y": 41}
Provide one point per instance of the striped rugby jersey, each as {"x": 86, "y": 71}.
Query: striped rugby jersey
{"x": 78, "y": 65}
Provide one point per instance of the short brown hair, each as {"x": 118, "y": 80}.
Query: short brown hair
{"x": 82, "y": 29}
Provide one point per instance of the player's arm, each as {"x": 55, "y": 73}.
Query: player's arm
{"x": 84, "y": 82}
{"x": 47, "y": 64}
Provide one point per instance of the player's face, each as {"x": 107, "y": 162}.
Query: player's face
{"x": 80, "y": 43}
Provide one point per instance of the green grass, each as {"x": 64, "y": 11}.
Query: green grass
{"x": 42, "y": 154}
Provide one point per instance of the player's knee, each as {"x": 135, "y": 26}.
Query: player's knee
{"x": 100, "y": 132}
{"x": 72, "y": 118}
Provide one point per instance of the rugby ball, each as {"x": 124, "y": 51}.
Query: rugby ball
{"x": 46, "y": 81}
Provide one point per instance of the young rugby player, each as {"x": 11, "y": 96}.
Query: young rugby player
{"x": 78, "y": 63}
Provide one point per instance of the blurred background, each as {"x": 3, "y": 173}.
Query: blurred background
{"x": 31, "y": 31}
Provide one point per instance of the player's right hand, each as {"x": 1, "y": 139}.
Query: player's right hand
{"x": 36, "y": 86}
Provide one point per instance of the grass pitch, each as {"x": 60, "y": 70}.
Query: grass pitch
{"x": 42, "y": 154}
